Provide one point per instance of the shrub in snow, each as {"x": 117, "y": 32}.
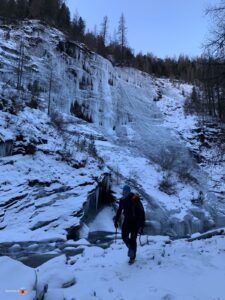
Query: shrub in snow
{"x": 17, "y": 105}
{"x": 184, "y": 174}
{"x": 193, "y": 103}
{"x": 92, "y": 149}
{"x": 33, "y": 103}
{"x": 81, "y": 144}
{"x": 166, "y": 185}
{"x": 166, "y": 158}
{"x": 57, "y": 120}
{"x": 34, "y": 88}
{"x": 66, "y": 155}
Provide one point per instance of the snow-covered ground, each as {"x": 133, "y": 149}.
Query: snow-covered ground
{"x": 14, "y": 278}
{"x": 164, "y": 269}
{"x": 179, "y": 270}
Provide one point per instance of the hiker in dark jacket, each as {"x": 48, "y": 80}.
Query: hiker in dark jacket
{"x": 134, "y": 219}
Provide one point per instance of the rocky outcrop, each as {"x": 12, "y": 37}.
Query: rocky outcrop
{"x": 6, "y": 148}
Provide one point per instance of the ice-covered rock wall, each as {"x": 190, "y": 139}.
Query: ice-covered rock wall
{"x": 6, "y": 148}
{"x": 70, "y": 78}
{"x": 121, "y": 105}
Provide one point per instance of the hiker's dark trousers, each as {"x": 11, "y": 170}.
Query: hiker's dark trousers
{"x": 129, "y": 235}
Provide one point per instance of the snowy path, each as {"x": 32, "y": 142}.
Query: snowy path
{"x": 164, "y": 270}
{"x": 174, "y": 271}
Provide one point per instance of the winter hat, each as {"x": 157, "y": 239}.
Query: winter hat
{"x": 126, "y": 189}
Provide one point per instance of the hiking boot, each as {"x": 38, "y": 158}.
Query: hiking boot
{"x": 131, "y": 253}
{"x": 131, "y": 261}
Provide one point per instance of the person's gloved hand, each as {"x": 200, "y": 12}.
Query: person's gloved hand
{"x": 116, "y": 225}
{"x": 115, "y": 222}
{"x": 141, "y": 230}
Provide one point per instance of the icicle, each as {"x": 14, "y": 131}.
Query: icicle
{"x": 97, "y": 198}
{"x": 6, "y": 148}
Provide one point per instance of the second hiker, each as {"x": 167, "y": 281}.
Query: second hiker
{"x": 134, "y": 219}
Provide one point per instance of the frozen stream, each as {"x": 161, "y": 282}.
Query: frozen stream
{"x": 34, "y": 254}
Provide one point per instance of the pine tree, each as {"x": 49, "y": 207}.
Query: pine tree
{"x": 63, "y": 19}
{"x": 81, "y": 27}
{"x": 3, "y": 6}
{"x": 22, "y": 9}
{"x": 11, "y": 9}
{"x": 35, "y": 8}
{"x": 50, "y": 10}
{"x": 78, "y": 28}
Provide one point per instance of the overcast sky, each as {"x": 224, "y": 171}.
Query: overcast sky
{"x": 162, "y": 27}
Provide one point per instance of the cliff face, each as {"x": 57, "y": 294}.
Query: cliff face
{"x": 77, "y": 80}
{"x": 132, "y": 124}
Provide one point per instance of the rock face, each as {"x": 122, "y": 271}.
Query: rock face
{"x": 34, "y": 212}
{"x": 103, "y": 119}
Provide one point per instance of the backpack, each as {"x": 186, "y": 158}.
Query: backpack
{"x": 136, "y": 197}
{"x": 140, "y": 209}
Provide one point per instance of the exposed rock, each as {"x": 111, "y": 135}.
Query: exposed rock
{"x": 37, "y": 182}
{"x": 3, "y": 225}
{"x": 25, "y": 149}
{"x": 41, "y": 224}
{"x": 73, "y": 232}
{"x": 69, "y": 283}
{"x": 208, "y": 235}
{"x": 9, "y": 202}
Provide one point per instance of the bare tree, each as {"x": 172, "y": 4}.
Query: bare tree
{"x": 122, "y": 34}
{"x": 214, "y": 69}
{"x": 216, "y": 42}
{"x": 104, "y": 30}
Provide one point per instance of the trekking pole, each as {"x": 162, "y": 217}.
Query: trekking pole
{"x": 140, "y": 240}
{"x": 116, "y": 236}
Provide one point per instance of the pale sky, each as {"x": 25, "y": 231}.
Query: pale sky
{"x": 162, "y": 27}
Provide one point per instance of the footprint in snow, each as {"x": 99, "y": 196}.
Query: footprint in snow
{"x": 152, "y": 289}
